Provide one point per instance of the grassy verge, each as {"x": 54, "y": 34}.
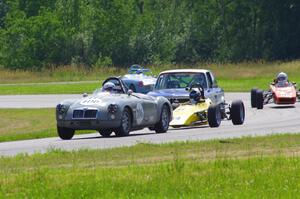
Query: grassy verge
{"x": 234, "y": 168}
{"x": 22, "y": 124}
{"x": 231, "y": 77}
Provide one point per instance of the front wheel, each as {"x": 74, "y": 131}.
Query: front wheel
{"x": 237, "y": 112}
{"x": 163, "y": 125}
{"x": 65, "y": 133}
{"x": 253, "y": 97}
{"x": 105, "y": 132}
{"x": 214, "y": 115}
{"x": 124, "y": 128}
{"x": 259, "y": 99}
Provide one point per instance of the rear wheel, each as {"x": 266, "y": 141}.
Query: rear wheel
{"x": 253, "y": 97}
{"x": 105, "y": 132}
{"x": 124, "y": 128}
{"x": 163, "y": 125}
{"x": 65, "y": 133}
{"x": 214, "y": 115}
{"x": 237, "y": 112}
{"x": 259, "y": 99}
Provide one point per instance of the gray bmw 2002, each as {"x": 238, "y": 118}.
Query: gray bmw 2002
{"x": 113, "y": 109}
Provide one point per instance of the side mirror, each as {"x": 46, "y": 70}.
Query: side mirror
{"x": 85, "y": 95}
{"x": 129, "y": 92}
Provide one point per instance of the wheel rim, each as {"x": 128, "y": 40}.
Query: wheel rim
{"x": 125, "y": 121}
{"x": 165, "y": 118}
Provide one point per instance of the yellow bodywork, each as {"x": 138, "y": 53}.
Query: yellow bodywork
{"x": 187, "y": 114}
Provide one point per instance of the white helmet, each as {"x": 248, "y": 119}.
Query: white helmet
{"x": 108, "y": 86}
{"x": 282, "y": 77}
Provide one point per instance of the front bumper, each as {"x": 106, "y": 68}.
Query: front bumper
{"x": 285, "y": 100}
{"x": 92, "y": 124}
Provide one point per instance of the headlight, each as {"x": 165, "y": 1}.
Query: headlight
{"x": 112, "y": 108}
{"x": 61, "y": 108}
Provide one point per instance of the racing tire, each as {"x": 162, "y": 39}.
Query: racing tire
{"x": 151, "y": 128}
{"x": 105, "y": 132}
{"x": 253, "y": 97}
{"x": 237, "y": 112}
{"x": 125, "y": 126}
{"x": 259, "y": 99}
{"x": 132, "y": 87}
{"x": 65, "y": 133}
{"x": 163, "y": 125}
{"x": 214, "y": 115}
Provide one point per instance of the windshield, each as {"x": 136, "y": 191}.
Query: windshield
{"x": 180, "y": 80}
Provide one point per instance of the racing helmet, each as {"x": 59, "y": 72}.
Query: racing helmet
{"x": 282, "y": 77}
{"x": 108, "y": 87}
{"x": 195, "y": 96}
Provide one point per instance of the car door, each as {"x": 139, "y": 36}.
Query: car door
{"x": 147, "y": 109}
{"x": 217, "y": 94}
{"x": 210, "y": 91}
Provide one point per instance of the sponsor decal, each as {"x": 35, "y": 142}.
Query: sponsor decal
{"x": 91, "y": 101}
{"x": 139, "y": 113}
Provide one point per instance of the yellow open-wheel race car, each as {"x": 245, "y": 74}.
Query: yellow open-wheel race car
{"x": 201, "y": 111}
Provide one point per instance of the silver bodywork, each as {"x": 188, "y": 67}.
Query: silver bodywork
{"x": 180, "y": 94}
{"x": 103, "y": 110}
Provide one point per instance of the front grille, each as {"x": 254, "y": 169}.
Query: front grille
{"x": 90, "y": 114}
{"x": 85, "y": 114}
{"x": 78, "y": 114}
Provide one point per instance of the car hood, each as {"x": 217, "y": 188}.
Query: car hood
{"x": 98, "y": 100}
{"x": 170, "y": 93}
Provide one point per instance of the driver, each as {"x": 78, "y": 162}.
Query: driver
{"x": 281, "y": 78}
{"x": 108, "y": 87}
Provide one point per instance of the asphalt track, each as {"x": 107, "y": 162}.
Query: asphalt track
{"x": 273, "y": 119}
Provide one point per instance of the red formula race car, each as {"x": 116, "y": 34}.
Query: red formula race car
{"x": 281, "y": 92}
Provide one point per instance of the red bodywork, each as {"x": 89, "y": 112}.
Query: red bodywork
{"x": 284, "y": 95}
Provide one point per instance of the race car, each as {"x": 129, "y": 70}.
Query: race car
{"x": 139, "y": 79}
{"x": 281, "y": 92}
{"x": 172, "y": 84}
{"x": 113, "y": 108}
{"x": 201, "y": 111}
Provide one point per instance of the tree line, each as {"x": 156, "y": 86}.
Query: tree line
{"x": 41, "y": 33}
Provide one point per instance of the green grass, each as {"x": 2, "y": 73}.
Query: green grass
{"x": 59, "y": 88}
{"x": 261, "y": 167}
{"x": 22, "y": 124}
{"x": 231, "y": 77}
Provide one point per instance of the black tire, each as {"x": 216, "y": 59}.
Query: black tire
{"x": 214, "y": 115}
{"x": 132, "y": 87}
{"x": 237, "y": 112}
{"x": 259, "y": 99}
{"x": 125, "y": 126}
{"x": 151, "y": 128}
{"x": 253, "y": 97}
{"x": 65, "y": 133}
{"x": 163, "y": 125}
{"x": 105, "y": 132}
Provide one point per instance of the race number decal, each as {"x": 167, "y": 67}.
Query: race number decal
{"x": 139, "y": 113}
{"x": 91, "y": 101}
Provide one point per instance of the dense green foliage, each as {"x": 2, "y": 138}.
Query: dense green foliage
{"x": 39, "y": 33}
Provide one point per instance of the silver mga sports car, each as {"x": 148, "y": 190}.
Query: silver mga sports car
{"x": 113, "y": 108}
